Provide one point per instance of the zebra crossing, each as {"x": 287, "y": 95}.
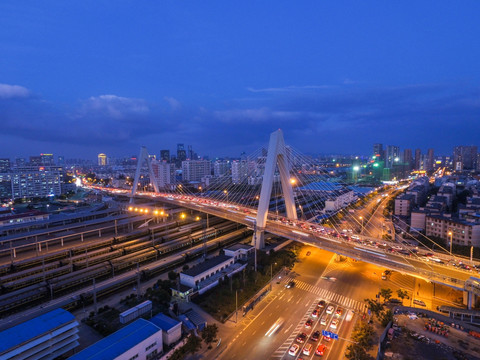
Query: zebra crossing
{"x": 323, "y": 294}
{"x": 330, "y": 296}
{"x": 284, "y": 347}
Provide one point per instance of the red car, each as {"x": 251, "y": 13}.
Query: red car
{"x": 308, "y": 323}
{"x": 321, "y": 350}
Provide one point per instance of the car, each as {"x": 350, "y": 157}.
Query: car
{"x": 315, "y": 313}
{"x": 339, "y": 312}
{"x": 330, "y": 309}
{"x": 334, "y": 323}
{"x": 320, "y": 350}
{"x": 419, "y": 302}
{"x": 308, "y": 253}
{"x": 329, "y": 278}
{"x": 308, "y": 323}
{"x": 307, "y": 349}
{"x": 327, "y": 338}
{"x": 290, "y": 284}
{"x": 323, "y": 320}
{"x": 321, "y": 304}
{"x": 294, "y": 349}
{"x": 301, "y": 338}
{"x": 315, "y": 336}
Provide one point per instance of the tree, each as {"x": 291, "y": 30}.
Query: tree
{"x": 172, "y": 275}
{"x": 374, "y": 306}
{"x": 356, "y": 352}
{"x": 209, "y": 333}
{"x": 402, "y": 294}
{"x": 193, "y": 344}
{"x": 386, "y": 294}
{"x": 386, "y": 317}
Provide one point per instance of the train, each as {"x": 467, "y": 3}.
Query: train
{"x": 48, "y": 288}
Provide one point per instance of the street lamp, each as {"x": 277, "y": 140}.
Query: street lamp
{"x": 451, "y": 241}
{"x": 361, "y": 231}
{"x": 226, "y": 194}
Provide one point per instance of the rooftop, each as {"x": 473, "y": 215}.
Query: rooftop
{"x": 33, "y": 328}
{"x": 202, "y": 267}
{"x": 239, "y": 247}
{"x": 164, "y": 322}
{"x": 119, "y": 342}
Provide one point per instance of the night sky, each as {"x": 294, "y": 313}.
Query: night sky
{"x": 82, "y": 77}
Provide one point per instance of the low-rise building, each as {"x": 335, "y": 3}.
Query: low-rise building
{"x": 404, "y": 204}
{"x": 45, "y": 337}
{"x": 140, "y": 340}
{"x": 171, "y": 329}
{"x": 239, "y": 251}
{"x": 462, "y": 232}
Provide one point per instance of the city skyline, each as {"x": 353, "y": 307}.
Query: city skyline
{"x": 77, "y": 81}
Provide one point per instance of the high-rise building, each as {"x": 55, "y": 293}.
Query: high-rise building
{"x": 102, "y": 159}
{"x": 181, "y": 155}
{"x": 378, "y": 151}
{"x": 5, "y": 186}
{"x": 5, "y": 165}
{"x": 36, "y": 181}
{"x": 163, "y": 171}
{"x": 165, "y": 155}
{"x": 418, "y": 158}
{"x": 220, "y": 168}
{"x": 408, "y": 159}
{"x": 194, "y": 170}
{"x": 36, "y": 160}
{"x": 465, "y": 157}
{"x": 61, "y": 160}
{"x": 47, "y": 159}
{"x": 430, "y": 160}
{"x": 239, "y": 171}
{"x": 392, "y": 154}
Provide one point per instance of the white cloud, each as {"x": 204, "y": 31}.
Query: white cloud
{"x": 290, "y": 88}
{"x": 174, "y": 103}
{"x": 13, "y": 91}
{"x": 115, "y": 106}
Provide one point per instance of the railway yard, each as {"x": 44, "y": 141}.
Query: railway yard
{"x": 64, "y": 265}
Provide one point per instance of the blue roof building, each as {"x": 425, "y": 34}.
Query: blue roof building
{"x": 44, "y": 337}
{"x": 140, "y": 340}
{"x": 171, "y": 329}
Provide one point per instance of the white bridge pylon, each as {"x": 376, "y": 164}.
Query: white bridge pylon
{"x": 277, "y": 156}
{"x": 153, "y": 179}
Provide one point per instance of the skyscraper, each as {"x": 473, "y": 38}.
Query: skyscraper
{"x": 430, "y": 159}
{"x": 102, "y": 159}
{"x": 4, "y": 165}
{"x": 408, "y": 159}
{"x": 418, "y": 158}
{"x": 465, "y": 157}
{"x": 165, "y": 155}
{"x": 378, "y": 151}
{"x": 392, "y": 154}
{"x": 194, "y": 170}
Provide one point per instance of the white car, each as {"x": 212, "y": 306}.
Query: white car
{"x": 323, "y": 321}
{"x": 294, "y": 349}
{"x": 334, "y": 324}
{"x": 330, "y": 309}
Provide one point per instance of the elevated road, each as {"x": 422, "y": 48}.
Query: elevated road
{"x": 418, "y": 266}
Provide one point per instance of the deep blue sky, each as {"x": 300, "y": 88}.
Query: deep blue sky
{"x": 82, "y": 77}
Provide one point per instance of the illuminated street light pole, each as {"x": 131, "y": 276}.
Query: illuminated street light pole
{"x": 451, "y": 241}
{"x": 361, "y": 230}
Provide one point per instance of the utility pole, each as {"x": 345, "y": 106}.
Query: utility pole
{"x": 255, "y": 241}
{"x": 236, "y": 306}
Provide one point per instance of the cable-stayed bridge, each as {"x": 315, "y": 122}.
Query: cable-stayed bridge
{"x": 285, "y": 193}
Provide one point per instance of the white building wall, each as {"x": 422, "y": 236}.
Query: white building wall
{"x": 140, "y": 348}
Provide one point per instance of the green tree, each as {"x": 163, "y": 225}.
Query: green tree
{"x": 402, "y": 294}
{"x": 209, "y": 333}
{"x": 193, "y": 344}
{"x": 172, "y": 275}
{"x": 386, "y": 294}
{"x": 356, "y": 352}
{"x": 386, "y": 317}
{"x": 375, "y": 307}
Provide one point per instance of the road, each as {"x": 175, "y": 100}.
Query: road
{"x": 319, "y": 276}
